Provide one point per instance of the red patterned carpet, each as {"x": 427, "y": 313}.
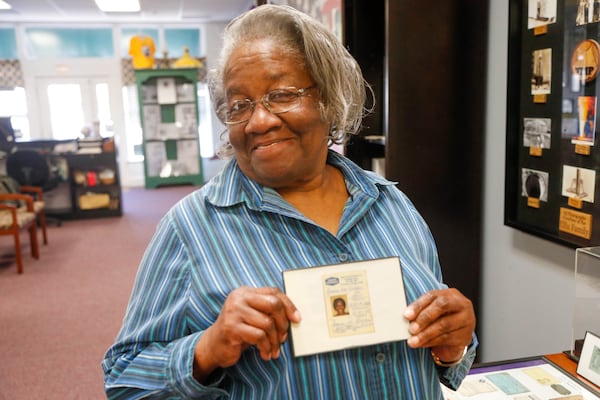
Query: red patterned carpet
{"x": 58, "y": 318}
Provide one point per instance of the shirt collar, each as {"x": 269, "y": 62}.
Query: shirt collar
{"x": 231, "y": 186}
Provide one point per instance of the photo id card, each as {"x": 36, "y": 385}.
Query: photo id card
{"x": 347, "y": 305}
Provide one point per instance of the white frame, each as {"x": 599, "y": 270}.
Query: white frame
{"x": 380, "y": 297}
{"x": 589, "y": 361}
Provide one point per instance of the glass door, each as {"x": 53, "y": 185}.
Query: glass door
{"x": 72, "y": 108}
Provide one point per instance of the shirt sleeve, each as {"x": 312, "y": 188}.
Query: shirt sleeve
{"x": 452, "y": 377}
{"x": 154, "y": 352}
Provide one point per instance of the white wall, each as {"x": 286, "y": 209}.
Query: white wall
{"x": 213, "y": 34}
{"x": 528, "y": 283}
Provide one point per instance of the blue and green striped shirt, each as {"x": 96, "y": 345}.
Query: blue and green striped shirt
{"x": 234, "y": 232}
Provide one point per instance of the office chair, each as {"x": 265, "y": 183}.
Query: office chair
{"x": 31, "y": 168}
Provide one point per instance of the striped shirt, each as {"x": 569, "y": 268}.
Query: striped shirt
{"x": 234, "y": 232}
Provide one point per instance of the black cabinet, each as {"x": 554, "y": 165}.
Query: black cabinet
{"x": 95, "y": 185}
{"x": 90, "y": 186}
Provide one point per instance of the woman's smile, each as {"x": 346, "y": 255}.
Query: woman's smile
{"x": 271, "y": 146}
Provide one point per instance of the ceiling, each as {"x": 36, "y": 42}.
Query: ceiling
{"x": 86, "y": 11}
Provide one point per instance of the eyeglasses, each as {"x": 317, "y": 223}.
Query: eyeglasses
{"x": 276, "y": 101}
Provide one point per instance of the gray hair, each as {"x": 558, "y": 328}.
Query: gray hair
{"x": 337, "y": 75}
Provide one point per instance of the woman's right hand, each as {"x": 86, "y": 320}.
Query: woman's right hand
{"x": 250, "y": 317}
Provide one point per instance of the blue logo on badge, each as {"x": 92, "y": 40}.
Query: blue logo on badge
{"x": 332, "y": 281}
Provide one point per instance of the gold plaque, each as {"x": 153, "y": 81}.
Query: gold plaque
{"x": 582, "y": 149}
{"x": 535, "y": 151}
{"x": 585, "y": 60}
{"x": 575, "y": 203}
{"x": 576, "y": 223}
{"x": 533, "y": 202}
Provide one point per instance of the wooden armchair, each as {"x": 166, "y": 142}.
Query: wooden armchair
{"x": 10, "y": 185}
{"x": 15, "y": 218}
{"x": 38, "y": 206}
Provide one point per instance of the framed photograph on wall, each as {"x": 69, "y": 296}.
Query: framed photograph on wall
{"x": 589, "y": 361}
{"x": 552, "y": 149}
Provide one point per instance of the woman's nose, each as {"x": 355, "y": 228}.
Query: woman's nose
{"x": 261, "y": 119}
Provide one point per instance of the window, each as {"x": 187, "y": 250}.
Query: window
{"x": 14, "y": 105}
{"x": 133, "y": 126}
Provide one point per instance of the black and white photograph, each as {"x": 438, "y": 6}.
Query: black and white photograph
{"x": 588, "y": 11}
{"x": 185, "y": 120}
{"x": 149, "y": 94}
{"x": 166, "y": 92}
{"x": 534, "y": 184}
{"x": 579, "y": 183}
{"x": 541, "y": 12}
{"x": 537, "y": 132}
{"x": 541, "y": 71}
{"x": 185, "y": 92}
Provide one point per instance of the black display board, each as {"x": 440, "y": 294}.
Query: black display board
{"x": 552, "y": 147}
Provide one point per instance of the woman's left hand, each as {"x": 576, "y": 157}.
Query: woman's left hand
{"x": 443, "y": 320}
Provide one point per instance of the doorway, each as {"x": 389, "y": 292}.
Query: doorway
{"x": 71, "y": 108}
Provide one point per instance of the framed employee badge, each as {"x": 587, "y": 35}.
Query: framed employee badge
{"x": 347, "y": 305}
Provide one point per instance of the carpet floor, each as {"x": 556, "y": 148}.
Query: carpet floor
{"x": 58, "y": 318}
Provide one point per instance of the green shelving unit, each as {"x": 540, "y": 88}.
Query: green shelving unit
{"x": 168, "y": 101}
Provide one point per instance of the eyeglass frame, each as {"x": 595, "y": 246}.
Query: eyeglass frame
{"x": 298, "y": 92}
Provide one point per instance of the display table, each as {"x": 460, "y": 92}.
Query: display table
{"x": 552, "y": 376}
{"x": 562, "y": 361}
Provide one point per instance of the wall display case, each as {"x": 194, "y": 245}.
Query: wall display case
{"x": 552, "y": 151}
{"x": 169, "y": 114}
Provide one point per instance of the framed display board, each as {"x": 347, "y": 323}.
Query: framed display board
{"x": 552, "y": 149}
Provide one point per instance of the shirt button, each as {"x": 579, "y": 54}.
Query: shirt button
{"x": 380, "y": 357}
{"x": 343, "y": 257}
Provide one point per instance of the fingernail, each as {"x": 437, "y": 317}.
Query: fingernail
{"x": 413, "y": 327}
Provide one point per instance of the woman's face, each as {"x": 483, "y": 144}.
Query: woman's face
{"x": 283, "y": 151}
{"x": 340, "y": 307}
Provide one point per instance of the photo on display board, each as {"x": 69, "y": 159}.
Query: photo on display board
{"x": 586, "y": 120}
{"x": 541, "y": 12}
{"x": 149, "y": 94}
{"x": 536, "y": 132}
{"x": 585, "y": 63}
{"x": 587, "y": 12}
{"x": 534, "y": 184}
{"x": 541, "y": 71}
{"x": 579, "y": 183}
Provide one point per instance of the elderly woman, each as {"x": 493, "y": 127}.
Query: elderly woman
{"x": 208, "y": 317}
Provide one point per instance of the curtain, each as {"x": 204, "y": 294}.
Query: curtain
{"x": 11, "y": 74}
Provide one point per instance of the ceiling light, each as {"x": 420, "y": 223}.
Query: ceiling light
{"x": 4, "y": 5}
{"x": 118, "y": 5}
